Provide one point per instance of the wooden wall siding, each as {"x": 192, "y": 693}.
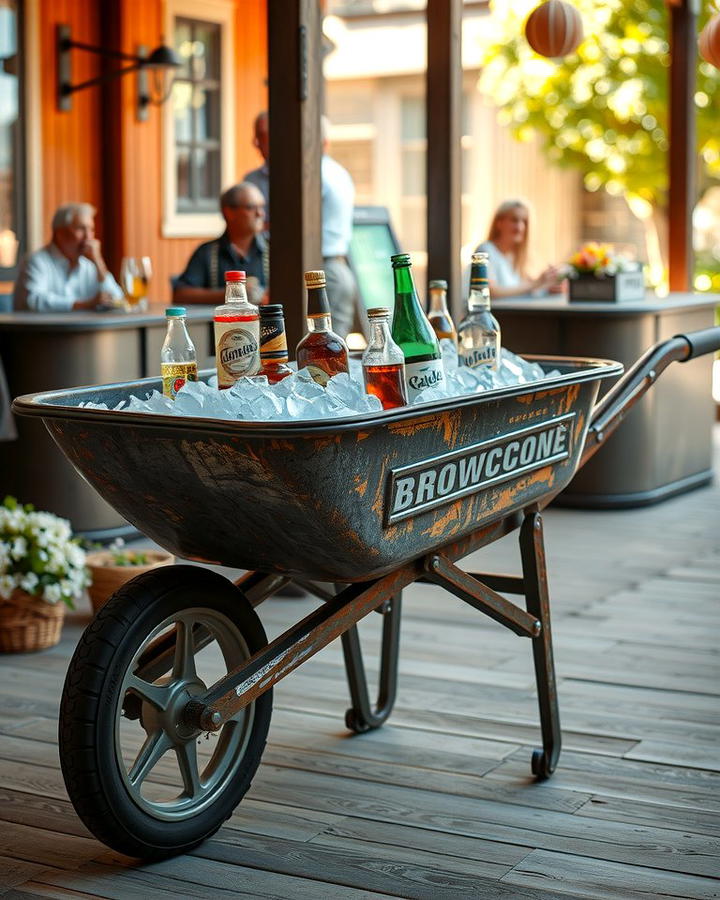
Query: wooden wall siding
{"x": 70, "y": 160}
{"x": 141, "y": 142}
{"x": 100, "y": 153}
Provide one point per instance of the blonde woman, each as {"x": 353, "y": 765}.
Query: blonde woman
{"x": 506, "y": 246}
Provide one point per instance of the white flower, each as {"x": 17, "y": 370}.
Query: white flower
{"x": 52, "y": 593}
{"x": 29, "y": 581}
{"x": 19, "y": 548}
{"x": 7, "y": 586}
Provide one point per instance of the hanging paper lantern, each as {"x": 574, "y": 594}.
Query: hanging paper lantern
{"x": 554, "y": 29}
{"x": 709, "y": 42}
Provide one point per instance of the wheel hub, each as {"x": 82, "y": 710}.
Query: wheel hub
{"x": 170, "y": 720}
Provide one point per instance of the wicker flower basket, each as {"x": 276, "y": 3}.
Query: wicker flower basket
{"x": 108, "y": 577}
{"x": 28, "y": 624}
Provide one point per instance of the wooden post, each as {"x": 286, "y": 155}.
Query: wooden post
{"x": 682, "y": 155}
{"x": 294, "y": 79}
{"x": 443, "y": 91}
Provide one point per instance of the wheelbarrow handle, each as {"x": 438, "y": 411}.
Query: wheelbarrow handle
{"x": 701, "y": 342}
{"x": 620, "y": 399}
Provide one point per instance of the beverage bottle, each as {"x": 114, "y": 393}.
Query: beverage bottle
{"x": 384, "y": 363}
{"x": 413, "y": 333}
{"x": 479, "y": 332}
{"x": 438, "y": 314}
{"x": 178, "y": 360}
{"x": 322, "y": 352}
{"x": 237, "y": 333}
{"x": 273, "y": 343}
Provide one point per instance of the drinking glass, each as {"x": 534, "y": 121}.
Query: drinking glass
{"x": 131, "y": 281}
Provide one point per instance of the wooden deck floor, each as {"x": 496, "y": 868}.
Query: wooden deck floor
{"x": 439, "y": 803}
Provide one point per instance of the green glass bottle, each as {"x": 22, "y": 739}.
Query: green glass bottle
{"x": 412, "y": 331}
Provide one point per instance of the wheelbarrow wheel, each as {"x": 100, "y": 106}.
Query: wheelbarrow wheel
{"x": 142, "y": 780}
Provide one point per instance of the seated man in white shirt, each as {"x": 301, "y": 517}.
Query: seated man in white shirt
{"x": 69, "y": 272}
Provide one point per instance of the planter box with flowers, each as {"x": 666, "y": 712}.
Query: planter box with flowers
{"x": 597, "y": 274}
{"x": 111, "y": 568}
{"x": 42, "y": 570}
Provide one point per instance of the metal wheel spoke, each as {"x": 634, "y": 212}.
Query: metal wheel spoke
{"x": 157, "y": 694}
{"x": 188, "y": 763}
{"x": 184, "y": 659}
{"x": 156, "y": 744}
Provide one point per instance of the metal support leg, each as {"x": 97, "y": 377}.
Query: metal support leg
{"x": 532, "y": 551}
{"x": 362, "y": 716}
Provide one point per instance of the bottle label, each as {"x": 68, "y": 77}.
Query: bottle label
{"x": 479, "y": 356}
{"x": 423, "y": 375}
{"x": 236, "y": 350}
{"x": 319, "y": 375}
{"x": 174, "y": 376}
{"x": 273, "y": 344}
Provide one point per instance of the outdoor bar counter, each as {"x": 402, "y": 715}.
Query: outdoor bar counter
{"x": 44, "y": 351}
{"x": 664, "y": 446}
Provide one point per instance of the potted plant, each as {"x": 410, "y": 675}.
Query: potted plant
{"x": 111, "y": 568}
{"x": 42, "y": 571}
{"x": 598, "y": 273}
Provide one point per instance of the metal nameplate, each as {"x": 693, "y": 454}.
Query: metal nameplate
{"x": 434, "y": 482}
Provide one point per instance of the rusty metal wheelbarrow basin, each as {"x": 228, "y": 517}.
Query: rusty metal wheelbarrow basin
{"x": 334, "y": 500}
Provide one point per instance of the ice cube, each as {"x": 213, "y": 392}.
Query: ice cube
{"x": 158, "y": 403}
{"x": 450, "y": 360}
{"x": 431, "y": 393}
{"x": 344, "y": 390}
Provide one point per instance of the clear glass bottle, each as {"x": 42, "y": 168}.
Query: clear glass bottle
{"x": 383, "y": 362}
{"x": 322, "y": 352}
{"x": 413, "y": 333}
{"x": 438, "y": 313}
{"x": 479, "y": 332}
{"x": 237, "y": 333}
{"x": 273, "y": 343}
{"x": 178, "y": 360}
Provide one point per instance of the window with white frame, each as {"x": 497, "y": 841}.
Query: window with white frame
{"x": 199, "y": 134}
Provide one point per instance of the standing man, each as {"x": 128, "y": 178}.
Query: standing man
{"x": 338, "y": 197}
{"x": 69, "y": 272}
{"x": 241, "y": 246}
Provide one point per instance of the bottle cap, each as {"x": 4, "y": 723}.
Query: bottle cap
{"x": 315, "y": 279}
{"x": 172, "y": 311}
{"x": 377, "y": 312}
{"x": 400, "y": 259}
{"x": 438, "y": 283}
{"x": 234, "y": 275}
{"x": 270, "y": 310}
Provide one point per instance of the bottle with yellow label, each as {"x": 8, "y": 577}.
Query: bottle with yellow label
{"x": 237, "y": 333}
{"x": 178, "y": 360}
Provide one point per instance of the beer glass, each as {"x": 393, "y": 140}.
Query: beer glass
{"x": 135, "y": 273}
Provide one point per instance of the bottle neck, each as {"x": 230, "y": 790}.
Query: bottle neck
{"x": 403, "y": 280}
{"x": 317, "y": 302}
{"x": 438, "y": 301}
{"x": 379, "y": 333}
{"x": 235, "y": 292}
{"x": 319, "y": 322}
{"x": 479, "y": 297}
{"x": 176, "y": 324}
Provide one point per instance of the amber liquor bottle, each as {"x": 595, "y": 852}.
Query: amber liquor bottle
{"x": 273, "y": 343}
{"x": 322, "y": 352}
{"x": 438, "y": 314}
{"x": 384, "y": 362}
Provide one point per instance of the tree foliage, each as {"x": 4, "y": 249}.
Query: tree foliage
{"x": 604, "y": 108}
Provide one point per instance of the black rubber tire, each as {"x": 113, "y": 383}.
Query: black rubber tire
{"x": 90, "y": 695}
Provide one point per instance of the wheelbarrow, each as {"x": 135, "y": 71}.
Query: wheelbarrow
{"x": 354, "y": 510}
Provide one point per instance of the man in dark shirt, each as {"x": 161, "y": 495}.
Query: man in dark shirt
{"x": 241, "y": 246}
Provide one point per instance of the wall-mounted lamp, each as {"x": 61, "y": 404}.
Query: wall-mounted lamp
{"x": 162, "y": 62}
